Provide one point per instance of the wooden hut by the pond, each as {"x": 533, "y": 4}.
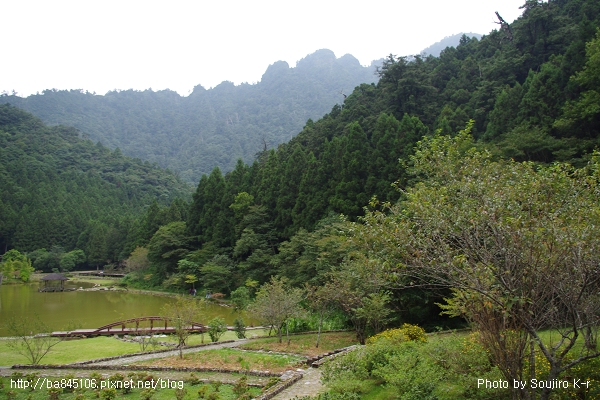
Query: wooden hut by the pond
{"x": 54, "y": 283}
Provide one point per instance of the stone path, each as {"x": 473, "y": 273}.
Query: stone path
{"x": 144, "y": 357}
{"x": 309, "y": 385}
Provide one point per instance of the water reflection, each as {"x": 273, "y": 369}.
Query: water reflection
{"x": 89, "y": 309}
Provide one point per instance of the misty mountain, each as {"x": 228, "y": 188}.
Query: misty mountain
{"x": 210, "y": 127}
{"x": 449, "y": 41}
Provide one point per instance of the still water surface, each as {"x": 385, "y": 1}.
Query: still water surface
{"x": 88, "y": 309}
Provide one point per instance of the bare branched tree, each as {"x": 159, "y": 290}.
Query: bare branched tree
{"x": 518, "y": 245}
{"x": 276, "y": 303}
{"x": 505, "y": 27}
{"x": 182, "y": 314}
{"x": 32, "y": 338}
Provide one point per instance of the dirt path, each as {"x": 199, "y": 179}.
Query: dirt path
{"x": 309, "y": 385}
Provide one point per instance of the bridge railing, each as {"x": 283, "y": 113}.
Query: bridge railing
{"x": 195, "y": 326}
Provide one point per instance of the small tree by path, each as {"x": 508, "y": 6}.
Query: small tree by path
{"x": 320, "y": 300}
{"x": 240, "y": 299}
{"x": 145, "y": 339}
{"x": 276, "y": 303}
{"x": 181, "y": 315}
{"x": 31, "y": 338}
{"x": 216, "y": 328}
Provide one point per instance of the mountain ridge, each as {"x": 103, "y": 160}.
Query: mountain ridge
{"x": 209, "y": 127}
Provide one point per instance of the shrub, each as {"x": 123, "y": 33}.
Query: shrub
{"x": 271, "y": 382}
{"x": 54, "y": 393}
{"x": 240, "y": 328}
{"x": 444, "y": 367}
{"x": 216, "y": 328}
{"x": 31, "y": 378}
{"x": 194, "y": 379}
{"x": 108, "y": 393}
{"x": 407, "y": 332}
{"x": 180, "y": 393}
{"x": 241, "y": 386}
{"x": 413, "y": 374}
{"x": 202, "y": 391}
{"x": 147, "y": 394}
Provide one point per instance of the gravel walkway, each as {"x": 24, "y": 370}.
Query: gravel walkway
{"x": 309, "y": 385}
{"x": 145, "y": 357}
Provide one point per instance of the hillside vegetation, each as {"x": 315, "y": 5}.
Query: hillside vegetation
{"x": 530, "y": 92}
{"x": 63, "y": 192}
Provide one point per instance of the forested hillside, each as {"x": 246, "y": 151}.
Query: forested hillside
{"x": 59, "y": 192}
{"x": 208, "y": 128}
{"x": 528, "y": 89}
{"x": 531, "y": 89}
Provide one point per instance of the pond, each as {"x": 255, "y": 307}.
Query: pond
{"x": 88, "y": 309}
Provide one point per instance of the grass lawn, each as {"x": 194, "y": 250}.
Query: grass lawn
{"x": 229, "y": 335}
{"x": 304, "y": 344}
{"x": 72, "y": 350}
{"x": 232, "y": 359}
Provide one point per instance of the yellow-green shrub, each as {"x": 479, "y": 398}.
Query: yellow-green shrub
{"x": 406, "y": 333}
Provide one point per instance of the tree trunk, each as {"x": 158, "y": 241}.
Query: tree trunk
{"x": 552, "y": 375}
{"x": 280, "y": 333}
{"x": 320, "y": 326}
{"x": 532, "y": 395}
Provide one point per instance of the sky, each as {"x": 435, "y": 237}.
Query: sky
{"x": 107, "y": 45}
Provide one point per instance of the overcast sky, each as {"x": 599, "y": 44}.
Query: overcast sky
{"x": 177, "y": 44}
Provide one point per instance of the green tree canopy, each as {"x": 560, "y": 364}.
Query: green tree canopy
{"x": 516, "y": 243}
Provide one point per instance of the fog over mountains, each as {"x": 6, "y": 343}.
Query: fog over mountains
{"x": 210, "y": 127}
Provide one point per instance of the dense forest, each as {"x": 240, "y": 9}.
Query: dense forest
{"x": 208, "y": 128}
{"x": 59, "y": 192}
{"x": 528, "y": 87}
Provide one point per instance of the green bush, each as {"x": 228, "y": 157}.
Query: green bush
{"x": 194, "y": 379}
{"x": 241, "y": 387}
{"x": 54, "y": 393}
{"x": 108, "y": 393}
{"x": 147, "y": 394}
{"x": 216, "y": 328}
{"x": 180, "y": 393}
{"x": 443, "y": 367}
{"x": 239, "y": 328}
{"x": 407, "y": 332}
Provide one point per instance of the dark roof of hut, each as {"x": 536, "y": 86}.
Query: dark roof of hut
{"x": 55, "y": 277}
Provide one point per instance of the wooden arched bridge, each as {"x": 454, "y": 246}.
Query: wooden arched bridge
{"x": 133, "y": 326}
